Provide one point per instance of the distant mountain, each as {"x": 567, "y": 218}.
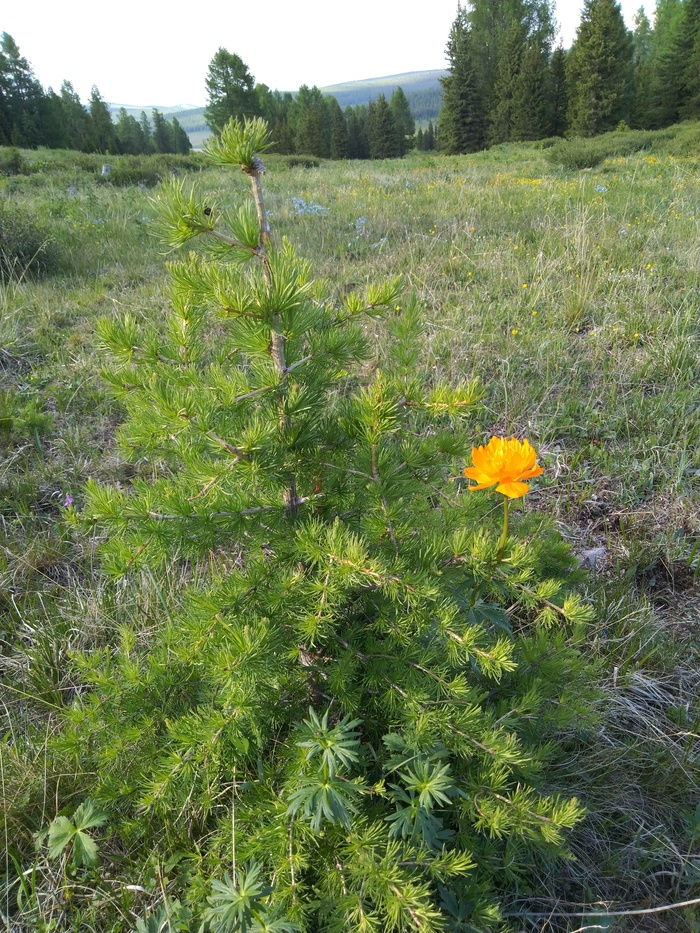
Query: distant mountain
{"x": 135, "y": 111}
{"x": 422, "y": 88}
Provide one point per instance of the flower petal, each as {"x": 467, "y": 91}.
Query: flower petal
{"x": 513, "y": 489}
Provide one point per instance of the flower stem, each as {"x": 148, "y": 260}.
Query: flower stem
{"x": 502, "y": 542}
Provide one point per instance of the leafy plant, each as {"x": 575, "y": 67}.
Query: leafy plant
{"x": 68, "y": 837}
{"x": 337, "y": 703}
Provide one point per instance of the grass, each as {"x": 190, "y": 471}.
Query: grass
{"x": 572, "y": 295}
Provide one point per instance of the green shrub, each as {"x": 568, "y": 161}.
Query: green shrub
{"x": 27, "y": 248}
{"x": 580, "y": 152}
{"x": 146, "y": 170}
{"x": 12, "y": 162}
{"x": 352, "y": 709}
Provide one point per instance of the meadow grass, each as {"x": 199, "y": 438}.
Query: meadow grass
{"x": 572, "y": 296}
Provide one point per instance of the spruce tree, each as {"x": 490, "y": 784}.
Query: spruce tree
{"x": 689, "y": 60}
{"x": 76, "y": 119}
{"x": 506, "y": 99}
{"x": 162, "y": 133}
{"x": 382, "y": 130}
{"x": 357, "y": 119}
{"x": 462, "y": 120}
{"x": 558, "y": 96}
{"x": 531, "y": 114}
{"x": 102, "y": 135}
{"x": 53, "y": 129}
{"x": 181, "y": 141}
{"x": 146, "y": 132}
{"x": 341, "y": 728}
{"x": 129, "y": 136}
{"x": 599, "y": 70}
{"x": 339, "y": 132}
{"x": 667, "y": 67}
{"x": 403, "y": 120}
{"x": 490, "y": 23}
{"x": 310, "y": 118}
{"x": 22, "y": 96}
{"x": 642, "y": 45}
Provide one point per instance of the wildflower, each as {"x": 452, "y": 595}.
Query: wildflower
{"x": 506, "y": 463}
{"x": 69, "y": 501}
{"x": 515, "y": 332}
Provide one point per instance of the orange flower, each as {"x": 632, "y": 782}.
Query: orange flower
{"x": 506, "y": 462}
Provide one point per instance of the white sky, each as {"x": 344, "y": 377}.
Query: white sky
{"x": 147, "y": 52}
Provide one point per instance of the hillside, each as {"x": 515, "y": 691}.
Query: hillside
{"x": 422, "y": 88}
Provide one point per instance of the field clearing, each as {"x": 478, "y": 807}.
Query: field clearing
{"x": 573, "y": 296}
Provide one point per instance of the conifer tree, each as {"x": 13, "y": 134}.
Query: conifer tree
{"x": 102, "y": 135}
{"x": 128, "y": 132}
{"x": 356, "y": 119}
{"x": 310, "y": 118}
{"x": 666, "y": 66}
{"x": 689, "y": 60}
{"x": 230, "y": 90}
{"x": 181, "y": 141}
{"x": 430, "y": 141}
{"x": 506, "y": 99}
{"x": 281, "y": 132}
{"x": 382, "y": 130}
{"x": 462, "y": 120}
{"x": 76, "y": 119}
{"x": 146, "y": 132}
{"x": 403, "y": 120}
{"x": 53, "y": 129}
{"x": 642, "y": 48}
{"x": 162, "y": 133}
{"x": 339, "y": 132}
{"x": 531, "y": 110}
{"x": 335, "y": 715}
{"x": 22, "y": 96}
{"x": 490, "y": 23}
{"x": 558, "y": 96}
{"x": 599, "y": 70}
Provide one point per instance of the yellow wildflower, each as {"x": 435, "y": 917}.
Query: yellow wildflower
{"x": 506, "y": 463}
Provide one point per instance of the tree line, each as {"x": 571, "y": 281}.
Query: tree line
{"x": 507, "y": 83}
{"x": 32, "y": 117}
{"x": 310, "y": 122}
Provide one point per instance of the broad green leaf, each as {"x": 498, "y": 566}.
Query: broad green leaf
{"x": 61, "y": 831}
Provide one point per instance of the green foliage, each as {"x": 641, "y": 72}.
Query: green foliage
{"x": 337, "y": 701}
{"x": 69, "y": 836}
{"x": 611, "y": 414}
{"x": 578, "y": 152}
{"x": 12, "y": 162}
{"x": 230, "y": 90}
{"x": 146, "y": 169}
{"x": 599, "y": 70}
{"x": 27, "y": 247}
{"x": 462, "y": 121}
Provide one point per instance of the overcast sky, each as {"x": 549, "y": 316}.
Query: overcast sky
{"x": 146, "y": 52}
